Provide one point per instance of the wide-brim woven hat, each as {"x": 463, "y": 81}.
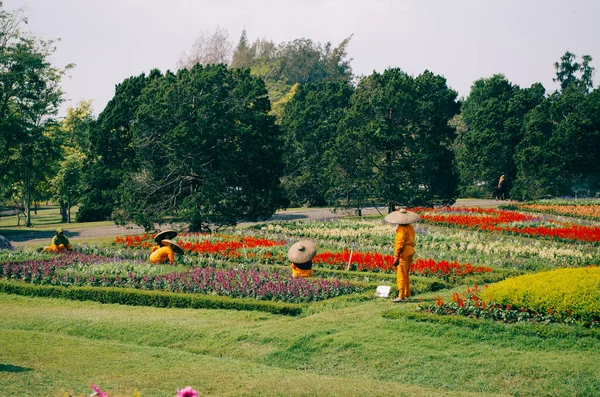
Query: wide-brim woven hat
{"x": 174, "y": 245}
{"x": 402, "y": 217}
{"x": 302, "y": 251}
{"x": 165, "y": 234}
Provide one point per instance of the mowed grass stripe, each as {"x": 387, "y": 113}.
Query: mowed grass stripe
{"x": 349, "y": 343}
{"x": 48, "y": 364}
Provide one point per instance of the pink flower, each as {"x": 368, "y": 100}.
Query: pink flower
{"x": 97, "y": 391}
{"x": 187, "y": 392}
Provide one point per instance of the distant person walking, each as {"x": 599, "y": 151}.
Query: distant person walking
{"x": 501, "y": 188}
{"x": 301, "y": 255}
{"x": 404, "y": 249}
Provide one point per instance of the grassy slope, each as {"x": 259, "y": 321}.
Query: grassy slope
{"x": 53, "y": 345}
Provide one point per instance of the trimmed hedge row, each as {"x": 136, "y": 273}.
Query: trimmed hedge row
{"x": 134, "y": 297}
{"x": 493, "y": 327}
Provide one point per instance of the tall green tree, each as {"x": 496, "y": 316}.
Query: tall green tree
{"x": 29, "y": 96}
{"x": 72, "y": 138}
{"x": 493, "y": 116}
{"x": 559, "y": 153}
{"x": 310, "y": 124}
{"x": 395, "y": 142}
{"x": 569, "y": 72}
{"x": 207, "y": 152}
{"x": 110, "y": 155}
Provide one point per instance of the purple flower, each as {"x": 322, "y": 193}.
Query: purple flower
{"x": 187, "y": 392}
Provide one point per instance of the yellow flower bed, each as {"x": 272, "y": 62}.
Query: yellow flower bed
{"x": 588, "y": 211}
{"x": 570, "y": 292}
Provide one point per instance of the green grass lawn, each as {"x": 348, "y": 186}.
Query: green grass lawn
{"x": 52, "y": 345}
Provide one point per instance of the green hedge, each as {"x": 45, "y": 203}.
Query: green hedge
{"x": 493, "y": 327}
{"x": 134, "y": 297}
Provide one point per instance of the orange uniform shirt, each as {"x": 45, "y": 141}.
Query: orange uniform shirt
{"x": 162, "y": 255}
{"x": 405, "y": 241}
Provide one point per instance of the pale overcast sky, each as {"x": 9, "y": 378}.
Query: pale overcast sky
{"x": 463, "y": 40}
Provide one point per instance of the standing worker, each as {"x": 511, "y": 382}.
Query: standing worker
{"x": 60, "y": 243}
{"x": 301, "y": 254}
{"x": 404, "y": 249}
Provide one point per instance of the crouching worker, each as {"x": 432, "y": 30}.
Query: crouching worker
{"x": 301, "y": 254}
{"x": 166, "y": 252}
{"x": 60, "y": 243}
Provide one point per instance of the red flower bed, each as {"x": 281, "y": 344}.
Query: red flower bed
{"x": 229, "y": 246}
{"x": 374, "y": 262}
{"x": 500, "y": 220}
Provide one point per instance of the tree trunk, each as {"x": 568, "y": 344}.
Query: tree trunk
{"x": 69, "y": 208}
{"x": 28, "y": 203}
{"x": 63, "y": 211}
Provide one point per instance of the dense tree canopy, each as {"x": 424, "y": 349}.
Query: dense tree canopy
{"x": 395, "y": 141}
{"x": 493, "y": 116}
{"x": 310, "y": 125}
{"x": 111, "y": 154}
{"x": 206, "y": 150}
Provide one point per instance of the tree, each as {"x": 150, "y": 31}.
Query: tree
{"x": 395, "y": 140}
{"x": 559, "y": 154}
{"x": 493, "y": 116}
{"x": 72, "y": 137}
{"x": 110, "y": 155}
{"x": 29, "y": 97}
{"x": 207, "y": 152}
{"x": 569, "y": 72}
{"x": 207, "y": 50}
{"x": 310, "y": 123}
{"x": 298, "y": 61}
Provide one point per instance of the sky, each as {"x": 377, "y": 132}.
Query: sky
{"x": 462, "y": 40}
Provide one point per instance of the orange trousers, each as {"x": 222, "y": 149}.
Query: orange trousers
{"x": 402, "y": 280}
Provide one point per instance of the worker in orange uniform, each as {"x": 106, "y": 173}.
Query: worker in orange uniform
{"x": 404, "y": 249}
{"x": 301, "y": 254}
{"x": 60, "y": 243}
{"x": 166, "y": 252}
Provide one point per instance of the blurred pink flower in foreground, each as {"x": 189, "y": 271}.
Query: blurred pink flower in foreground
{"x": 97, "y": 391}
{"x": 187, "y": 392}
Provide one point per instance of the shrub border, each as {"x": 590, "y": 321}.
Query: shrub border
{"x": 527, "y": 329}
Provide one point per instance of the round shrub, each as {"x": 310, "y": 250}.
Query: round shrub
{"x": 564, "y": 293}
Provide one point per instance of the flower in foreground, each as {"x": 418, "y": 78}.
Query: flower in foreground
{"x": 98, "y": 392}
{"x": 187, "y": 392}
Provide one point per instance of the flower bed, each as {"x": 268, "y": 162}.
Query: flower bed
{"x": 591, "y": 211}
{"x": 237, "y": 283}
{"x": 562, "y": 295}
{"x": 507, "y": 221}
{"x": 375, "y": 262}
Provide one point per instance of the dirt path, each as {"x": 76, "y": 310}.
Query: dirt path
{"x": 82, "y": 233}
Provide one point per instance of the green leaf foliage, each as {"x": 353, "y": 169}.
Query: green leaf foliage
{"x": 206, "y": 150}
{"x": 395, "y": 140}
{"x": 310, "y": 125}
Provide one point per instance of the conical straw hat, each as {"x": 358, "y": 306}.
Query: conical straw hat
{"x": 174, "y": 245}
{"x": 165, "y": 234}
{"x": 302, "y": 251}
{"x": 402, "y": 217}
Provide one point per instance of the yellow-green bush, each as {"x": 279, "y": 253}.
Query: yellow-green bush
{"x": 571, "y": 292}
